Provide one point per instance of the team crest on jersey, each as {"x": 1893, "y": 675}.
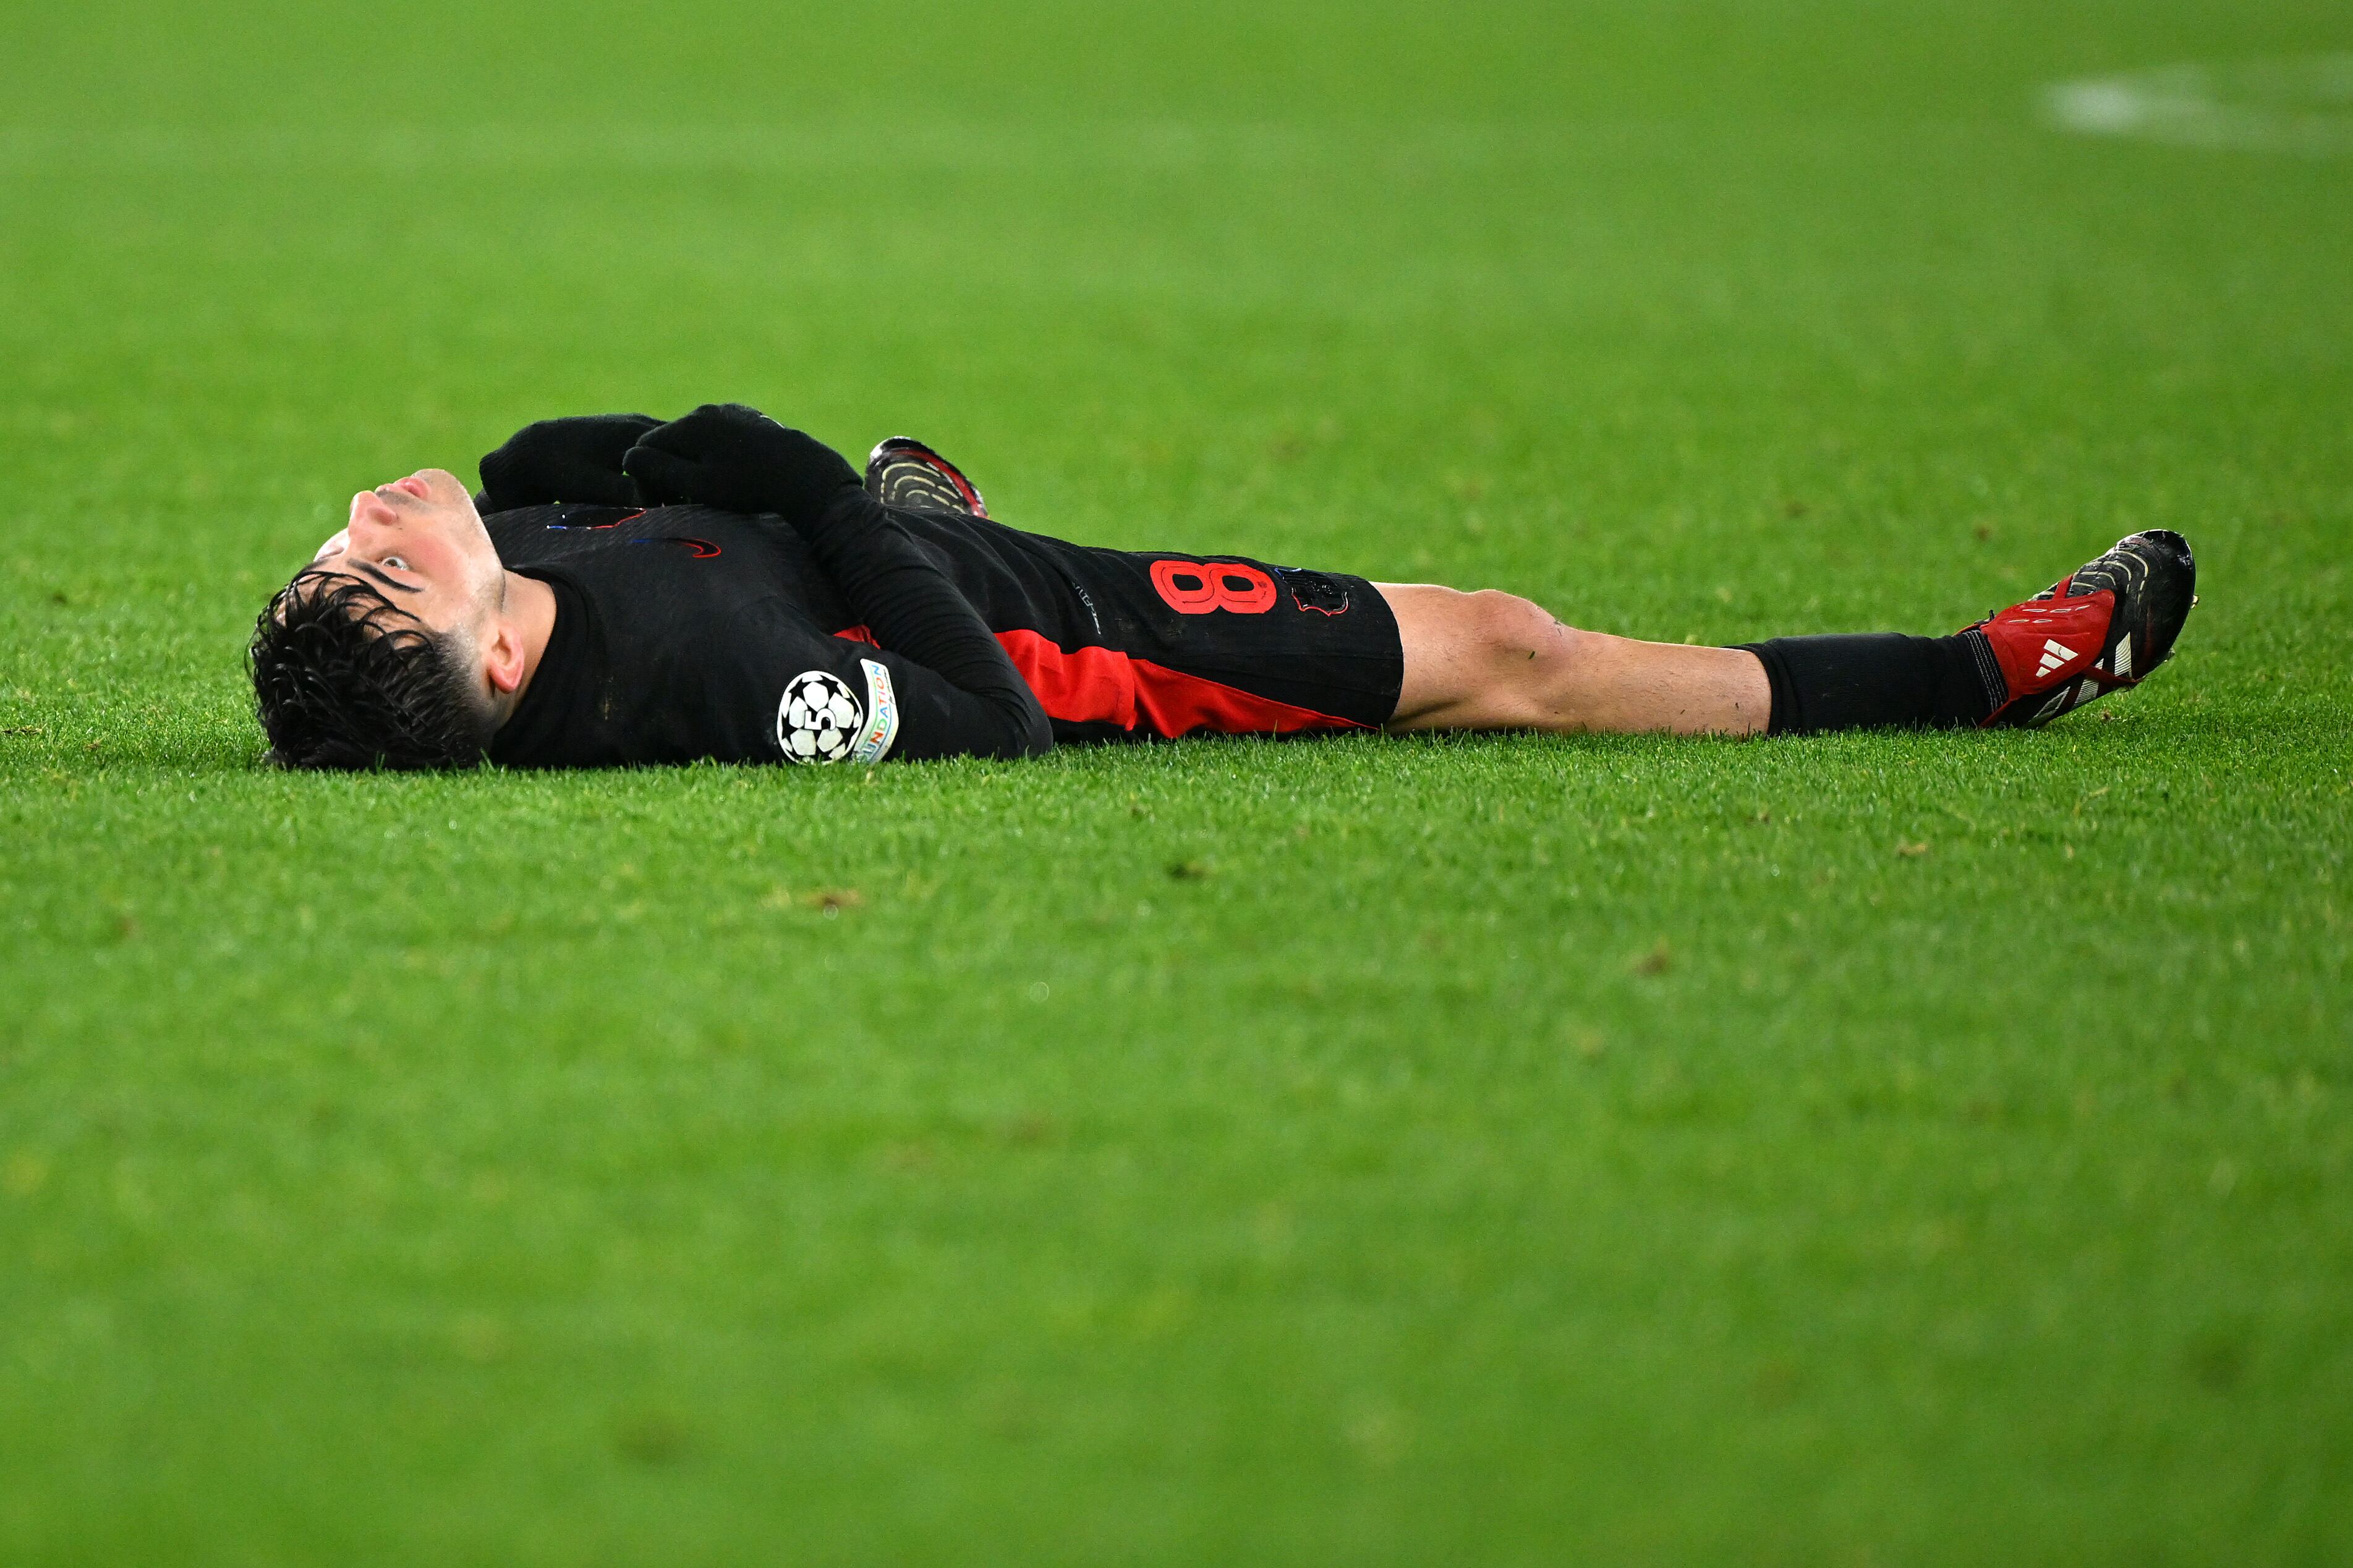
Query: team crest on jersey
{"x": 820, "y": 720}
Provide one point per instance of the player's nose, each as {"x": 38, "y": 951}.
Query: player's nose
{"x": 367, "y": 507}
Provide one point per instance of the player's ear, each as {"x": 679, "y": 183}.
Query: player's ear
{"x": 503, "y": 656}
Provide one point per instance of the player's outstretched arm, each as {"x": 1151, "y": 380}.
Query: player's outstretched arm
{"x": 737, "y": 458}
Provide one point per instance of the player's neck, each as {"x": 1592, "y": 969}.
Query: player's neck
{"x": 530, "y": 611}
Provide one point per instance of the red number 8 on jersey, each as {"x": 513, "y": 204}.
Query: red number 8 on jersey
{"x": 1193, "y": 589}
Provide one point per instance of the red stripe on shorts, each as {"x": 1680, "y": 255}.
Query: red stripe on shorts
{"x": 1104, "y": 686}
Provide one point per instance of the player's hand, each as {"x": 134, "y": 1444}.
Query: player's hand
{"x": 565, "y": 461}
{"x": 739, "y": 459}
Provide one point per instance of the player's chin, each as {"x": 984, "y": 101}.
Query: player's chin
{"x": 443, "y": 487}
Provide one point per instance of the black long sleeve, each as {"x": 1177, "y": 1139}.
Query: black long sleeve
{"x": 735, "y": 459}
{"x": 914, "y": 610}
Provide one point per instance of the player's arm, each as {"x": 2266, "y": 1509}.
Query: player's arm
{"x": 552, "y": 460}
{"x": 736, "y": 459}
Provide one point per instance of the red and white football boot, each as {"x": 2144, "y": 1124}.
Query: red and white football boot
{"x": 2102, "y": 627}
{"x": 901, "y": 471}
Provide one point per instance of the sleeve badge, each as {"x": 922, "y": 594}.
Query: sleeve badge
{"x": 820, "y": 720}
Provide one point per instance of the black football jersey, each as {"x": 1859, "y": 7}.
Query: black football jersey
{"x": 684, "y": 632}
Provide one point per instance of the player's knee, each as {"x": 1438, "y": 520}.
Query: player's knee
{"x": 1513, "y": 635}
{"x": 1523, "y": 653}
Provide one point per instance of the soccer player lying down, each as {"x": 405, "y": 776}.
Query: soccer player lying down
{"x": 722, "y": 586}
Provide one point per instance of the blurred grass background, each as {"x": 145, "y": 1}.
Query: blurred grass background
{"x": 1880, "y": 1148}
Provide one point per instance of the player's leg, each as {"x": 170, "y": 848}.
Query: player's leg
{"x": 1495, "y": 661}
{"x": 1483, "y": 661}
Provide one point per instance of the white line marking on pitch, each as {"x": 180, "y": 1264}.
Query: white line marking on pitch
{"x": 2302, "y": 106}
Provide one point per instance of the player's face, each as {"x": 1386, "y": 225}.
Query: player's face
{"x": 420, "y": 543}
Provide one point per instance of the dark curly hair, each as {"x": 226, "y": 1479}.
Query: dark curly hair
{"x": 343, "y": 678}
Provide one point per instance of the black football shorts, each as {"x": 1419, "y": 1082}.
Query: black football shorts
{"x": 1157, "y": 645}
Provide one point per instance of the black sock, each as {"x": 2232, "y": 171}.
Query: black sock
{"x": 1878, "y": 678}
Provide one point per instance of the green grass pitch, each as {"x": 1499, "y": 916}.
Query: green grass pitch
{"x": 1872, "y": 1150}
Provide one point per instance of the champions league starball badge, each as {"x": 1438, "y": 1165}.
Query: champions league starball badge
{"x": 819, "y": 719}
